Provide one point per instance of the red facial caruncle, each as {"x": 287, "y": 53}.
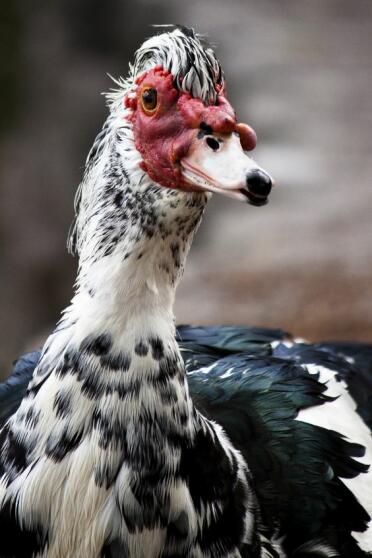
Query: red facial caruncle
{"x": 171, "y": 131}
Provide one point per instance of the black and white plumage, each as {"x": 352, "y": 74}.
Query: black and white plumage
{"x": 125, "y": 438}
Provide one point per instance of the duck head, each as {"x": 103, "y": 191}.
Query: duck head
{"x": 183, "y": 125}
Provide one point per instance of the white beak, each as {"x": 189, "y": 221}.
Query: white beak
{"x": 217, "y": 163}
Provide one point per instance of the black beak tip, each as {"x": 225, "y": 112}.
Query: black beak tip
{"x": 257, "y": 202}
{"x": 258, "y": 183}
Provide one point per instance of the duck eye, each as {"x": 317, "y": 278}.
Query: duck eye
{"x": 149, "y": 100}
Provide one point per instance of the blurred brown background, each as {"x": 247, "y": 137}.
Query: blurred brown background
{"x": 299, "y": 71}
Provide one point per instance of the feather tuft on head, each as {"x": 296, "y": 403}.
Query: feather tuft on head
{"x": 183, "y": 53}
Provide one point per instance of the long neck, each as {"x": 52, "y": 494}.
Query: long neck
{"x": 118, "y": 334}
{"x": 131, "y": 290}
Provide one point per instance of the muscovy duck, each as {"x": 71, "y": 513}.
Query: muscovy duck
{"x": 124, "y": 437}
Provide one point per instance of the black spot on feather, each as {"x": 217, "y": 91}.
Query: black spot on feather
{"x": 175, "y": 248}
{"x": 157, "y": 347}
{"x": 32, "y": 417}
{"x": 118, "y": 199}
{"x": 97, "y": 345}
{"x": 120, "y": 361}
{"x": 105, "y": 474}
{"x": 168, "y": 394}
{"x": 93, "y": 385}
{"x": 206, "y": 469}
{"x": 141, "y": 349}
{"x": 169, "y": 367}
{"x": 115, "y": 549}
{"x": 13, "y": 452}
{"x": 58, "y": 447}
{"x": 69, "y": 364}
{"x": 110, "y": 431}
{"x": 62, "y": 404}
{"x": 17, "y": 541}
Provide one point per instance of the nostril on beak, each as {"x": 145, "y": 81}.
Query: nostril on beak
{"x": 258, "y": 183}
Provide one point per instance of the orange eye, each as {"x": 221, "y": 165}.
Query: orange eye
{"x": 149, "y": 100}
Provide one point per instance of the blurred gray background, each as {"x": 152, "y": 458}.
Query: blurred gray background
{"x": 299, "y": 71}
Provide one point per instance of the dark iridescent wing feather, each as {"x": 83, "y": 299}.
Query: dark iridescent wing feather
{"x": 256, "y": 395}
{"x": 229, "y": 339}
{"x": 202, "y": 346}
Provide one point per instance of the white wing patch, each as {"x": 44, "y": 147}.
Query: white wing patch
{"x": 340, "y": 415}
